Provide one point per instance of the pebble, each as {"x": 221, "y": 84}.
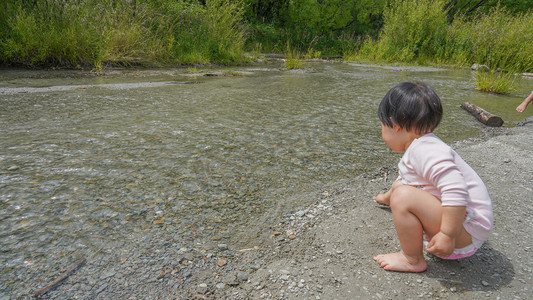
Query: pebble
{"x": 202, "y": 288}
{"x": 222, "y": 262}
{"x": 231, "y": 279}
{"x": 243, "y": 276}
{"x": 13, "y": 168}
{"x": 222, "y": 247}
{"x": 220, "y": 285}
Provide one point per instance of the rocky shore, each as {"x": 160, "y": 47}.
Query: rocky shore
{"x": 322, "y": 251}
{"x": 325, "y": 250}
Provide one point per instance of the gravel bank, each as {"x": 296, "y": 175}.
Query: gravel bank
{"x": 325, "y": 250}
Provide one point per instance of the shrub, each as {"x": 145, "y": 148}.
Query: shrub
{"x": 89, "y": 32}
{"x": 412, "y": 30}
{"x": 498, "y": 39}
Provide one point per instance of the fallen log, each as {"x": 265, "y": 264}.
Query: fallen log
{"x": 482, "y": 115}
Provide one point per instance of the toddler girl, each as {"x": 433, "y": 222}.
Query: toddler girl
{"x": 437, "y": 196}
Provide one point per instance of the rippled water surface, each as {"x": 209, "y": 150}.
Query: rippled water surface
{"x": 88, "y": 160}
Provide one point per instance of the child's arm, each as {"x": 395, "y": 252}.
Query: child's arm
{"x": 443, "y": 243}
{"x": 384, "y": 199}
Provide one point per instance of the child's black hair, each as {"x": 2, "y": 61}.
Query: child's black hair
{"x": 412, "y": 106}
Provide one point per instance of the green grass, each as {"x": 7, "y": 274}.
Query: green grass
{"x": 293, "y": 58}
{"x": 494, "y": 81}
{"x": 94, "y": 33}
{"x": 99, "y": 33}
{"x": 416, "y": 31}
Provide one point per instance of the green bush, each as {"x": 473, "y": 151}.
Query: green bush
{"x": 498, "y": 39}
{"x": 417, "y": 31}
{"x": 92, "y": 32}
{"x": 412, "y": 30}
{"x": 39, "y": 38}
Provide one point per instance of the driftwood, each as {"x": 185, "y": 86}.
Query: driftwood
{"x": 54, "y": 283}
{"x": 482, "y": 115}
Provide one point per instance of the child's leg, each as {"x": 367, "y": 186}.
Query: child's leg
{"x": 413, "y": 212}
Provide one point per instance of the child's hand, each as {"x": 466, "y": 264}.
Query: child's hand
{"x": 382, "y": 199}
{"x": 441, "y": 245}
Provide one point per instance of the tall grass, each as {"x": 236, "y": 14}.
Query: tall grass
{"x": 416, "y": 31}
{"x": 498, "y": 39}
{"x": 411, "y": 31}
{"x": 494, "y": 81}
{"x": 94, "y": 32}
{"x": 293, "y": 58}
{"x": 47, "y": 34}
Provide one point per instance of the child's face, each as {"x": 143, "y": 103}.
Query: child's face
{"x": 394, "y": 137}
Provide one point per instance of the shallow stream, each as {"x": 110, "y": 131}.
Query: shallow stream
{"x": 92, "y": 161}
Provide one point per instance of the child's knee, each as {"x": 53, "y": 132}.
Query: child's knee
{"x": 399, "y": 194}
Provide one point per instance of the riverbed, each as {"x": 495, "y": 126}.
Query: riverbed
{"x": 108, "y": 164}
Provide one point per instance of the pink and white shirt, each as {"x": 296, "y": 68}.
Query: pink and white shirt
{"x": 433, "y": 166}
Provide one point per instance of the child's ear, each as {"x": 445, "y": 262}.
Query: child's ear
{"x": 396, "y": 127}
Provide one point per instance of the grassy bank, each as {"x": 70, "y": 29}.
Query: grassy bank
{"x": 91, "y": 33}
{"x": 419, "y": 31}
{"x": 497, "y": 39}
{"x": 88, "y": 33}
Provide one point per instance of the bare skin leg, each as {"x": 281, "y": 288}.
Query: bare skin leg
{"x": 414, "y": 211}
{"x": 523, "y": 105}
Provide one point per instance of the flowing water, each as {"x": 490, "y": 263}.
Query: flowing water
{"x": 96, "y": 161}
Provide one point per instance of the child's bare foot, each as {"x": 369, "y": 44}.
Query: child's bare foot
{"x": 400, "y": 262}
{"x": 382, "y": 199}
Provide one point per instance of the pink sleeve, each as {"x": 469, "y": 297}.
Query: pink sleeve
{"x": 438, "y": 167}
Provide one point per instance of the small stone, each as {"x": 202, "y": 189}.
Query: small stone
{"x": 187, "y": 274}
{"x": 231, "y": 280}
{"x": 220, "y": 285}
{"x": 484, "y": 283}
{"x": 222, "y": 247}
{"x": 242, "y": 276}
{"x": 222, "y": 262}
{"x": 292, "y": 236}
{"x": 13, "y": 168}
{"x": 202, "y": 288}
